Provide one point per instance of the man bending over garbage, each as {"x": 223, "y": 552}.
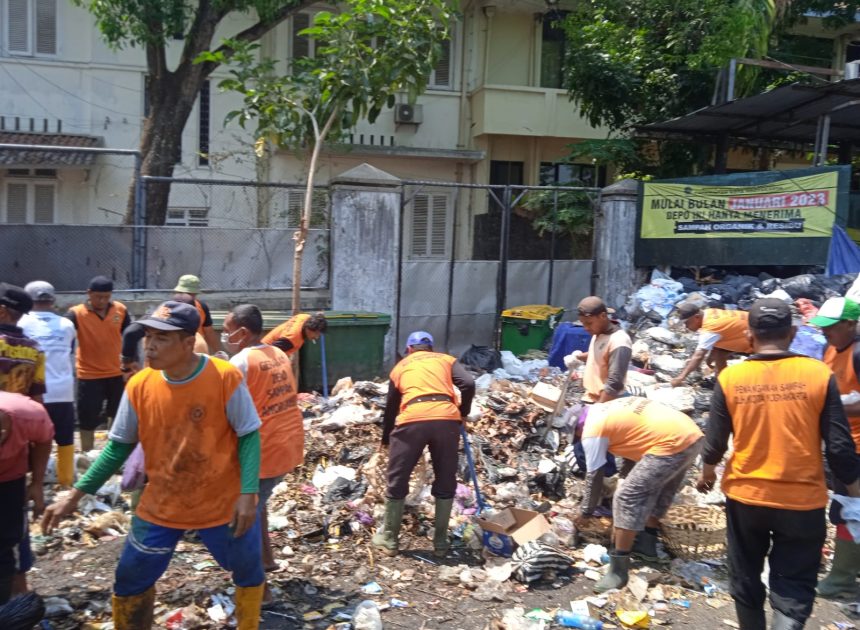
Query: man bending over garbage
{"x": 720, "y": 332}
{"x": 198, "y": 426}
{"x": 421, "y": 410}
{"x": 664, "y": 444}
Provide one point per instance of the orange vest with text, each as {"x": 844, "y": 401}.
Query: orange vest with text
{"x": 732, "y": 327}
{"x": 425, "y": 373}
{"x": 273, "y": 388}
{"x": 99, "y": 341}
{"x": 192, "y": 456}
{"x": 291, "y": 330}
{"x": 842, "y": 364}
{"x": 775, "y": 407}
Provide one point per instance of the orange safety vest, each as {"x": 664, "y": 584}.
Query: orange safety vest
{"x": 842, "y": 364}
{"x": 775, "y": 408}
{"x": 199, "y": 306}
{"x": 290, "y": 330}
{"x": 732, "y": 327}
{"x": 273, "y": 388}
{"x": 99, "y": 341}
{"x": 192, "y": 456}
{"x": 421, "y": 374}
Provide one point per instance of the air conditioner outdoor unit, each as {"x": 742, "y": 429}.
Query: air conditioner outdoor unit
{"x": 408, "y": 114}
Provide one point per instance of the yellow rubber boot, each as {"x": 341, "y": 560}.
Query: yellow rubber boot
{"x": 66, "y": 465}
{"x": 248, "y": 601}
{"x": 134, "y": 612}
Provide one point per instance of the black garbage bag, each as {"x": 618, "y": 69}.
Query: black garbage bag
{"x": 728, "y": 293}
{"x": 739, "y": 281}
{"x": 345, "y": 490}
{"x": 769, "y": 285}
{"x": 22, "y": 612}
{"x": 550, "y": 485}
{"x": 690, "y": 285}
{"x": 832, "y": 286}
{"x": 805, "y": 285}
{"x": 482, "y": 358}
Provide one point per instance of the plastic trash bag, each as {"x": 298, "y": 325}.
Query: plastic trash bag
{"x": 803, "y": 286}
{"x": 481, "y": 358}
{"x": 343, "y": 489}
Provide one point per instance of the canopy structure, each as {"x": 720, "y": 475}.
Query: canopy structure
{"x": 791, "y": 116}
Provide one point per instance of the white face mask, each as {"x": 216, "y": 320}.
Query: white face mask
{"x": 231, "y": 346}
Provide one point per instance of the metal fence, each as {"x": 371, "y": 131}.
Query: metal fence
{"x": 233, "y": 234}
{"x": 500, "y": 247}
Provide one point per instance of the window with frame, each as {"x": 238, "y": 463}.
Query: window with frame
{"x": 442, "y": 77}
{"x": 552, "y": 50}
{"x": 560, "y": 174}
{"x": 287, "y": 207}
{"x": 31, "y": 27}
{"x": 430, "y": 225}
{"x": 187, "y": 217}
{"x": 29, "y": 196}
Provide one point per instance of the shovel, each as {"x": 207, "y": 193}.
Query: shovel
{"x": 469, "y": 460}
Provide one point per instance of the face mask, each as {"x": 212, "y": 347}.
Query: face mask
{"x": 231, "y": 346}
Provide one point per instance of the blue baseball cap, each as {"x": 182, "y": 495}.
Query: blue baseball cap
{"x": 418, "y": 338}
{"x": 173, "y": 315}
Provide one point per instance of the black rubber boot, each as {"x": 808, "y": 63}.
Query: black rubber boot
{"x": 388, "y": 540}
{"x": 750, "y": 618}
{"x": 440, "y": 527}
{"x": 645, "y": 546}
{"x": 616, "y": 577}
{"x": 782, "y": 622}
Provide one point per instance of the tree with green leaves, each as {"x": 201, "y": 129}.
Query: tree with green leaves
{"x": 155, "y": 26}
{"x": 365, "y": 56}
{"x": 631, "y": 62}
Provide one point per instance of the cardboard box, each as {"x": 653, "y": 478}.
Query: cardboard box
{"x": 546, "y": 396}
{"x": 511, "y": 527}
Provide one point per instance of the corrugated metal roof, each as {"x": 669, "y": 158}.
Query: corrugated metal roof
{"x": 15, "y": 157}
{"x": 787, "y": 114}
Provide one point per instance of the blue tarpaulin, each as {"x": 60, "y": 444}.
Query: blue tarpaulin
{"x": 844, "y": 254}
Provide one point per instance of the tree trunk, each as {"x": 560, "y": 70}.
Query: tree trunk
{"x": 161, "y": 143}
{"x": 304, "y": 225}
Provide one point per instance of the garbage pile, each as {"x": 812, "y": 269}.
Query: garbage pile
{"x": 654, "y": 301}
{"x": 322, "y": 516}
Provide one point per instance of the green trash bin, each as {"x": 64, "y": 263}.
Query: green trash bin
{"x": 529, "y": 327}
{"x": 355, "y": 347}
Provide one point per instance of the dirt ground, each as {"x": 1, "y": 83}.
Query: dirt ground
{"x": 324, "y": 578}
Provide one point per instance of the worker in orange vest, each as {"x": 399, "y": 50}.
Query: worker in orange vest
{"x": 422, "y": 411}
{"x": 292, "y": 334}
{"x": 721, "y": 333}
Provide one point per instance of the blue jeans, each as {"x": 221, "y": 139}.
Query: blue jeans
{"x": 149, "y": 548}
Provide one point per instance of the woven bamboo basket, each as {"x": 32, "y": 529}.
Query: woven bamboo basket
{"x": 693, "y": 532}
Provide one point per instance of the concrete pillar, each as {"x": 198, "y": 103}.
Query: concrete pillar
{"x": 615, "y": 275}
{"x": 365, "y": 245}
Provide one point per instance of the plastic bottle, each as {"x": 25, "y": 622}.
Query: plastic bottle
{"x": 572, "y": 620}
